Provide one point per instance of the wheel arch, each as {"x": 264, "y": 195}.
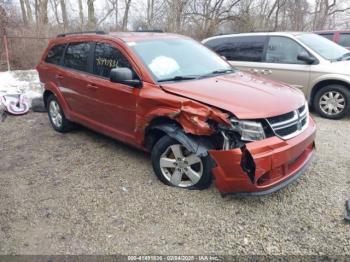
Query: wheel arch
{"x": 161, "y": 126}
{"x": 324, "y": 83}
{"x": 154, "y": 132}
{"x": 46, "y": 95}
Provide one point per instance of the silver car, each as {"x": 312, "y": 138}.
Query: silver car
{"x": 314, "y": 64}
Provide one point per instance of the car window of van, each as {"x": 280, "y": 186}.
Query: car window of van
{"x": 55, "y": 54}
{"x": 76, "y": 56}
{"x": 241, "y": 48}
{"x": 284, "y": 50}
{"x": 106, "y": 58}
{"x": 344, "y": 39}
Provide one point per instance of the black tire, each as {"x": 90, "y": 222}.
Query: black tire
{"x": 342, "y": 90}
{"x": 160, "y": 148}
{"x": 65, "y": 125}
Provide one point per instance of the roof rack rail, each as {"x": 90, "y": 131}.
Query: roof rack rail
{"x": 149, "y": 31}
{"x": 82, "y": 32}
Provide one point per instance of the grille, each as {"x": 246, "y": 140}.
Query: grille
{"x": 291, "y": 124}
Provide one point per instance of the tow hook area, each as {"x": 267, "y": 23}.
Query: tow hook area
{"x": 248, "y": 164}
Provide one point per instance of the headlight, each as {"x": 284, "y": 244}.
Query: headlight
{"x": 249, "y": 130}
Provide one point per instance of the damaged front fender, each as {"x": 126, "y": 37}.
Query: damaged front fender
{"x": 192, "y": 116}
{"x": 196, "y": 144}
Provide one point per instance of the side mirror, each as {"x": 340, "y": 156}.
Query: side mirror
{"x": 224, "y": 57}
{"x": 306, "y": 58}
{"x": 124, "y": 75}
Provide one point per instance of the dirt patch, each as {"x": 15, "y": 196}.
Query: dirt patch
{"x": 83, "y": 193}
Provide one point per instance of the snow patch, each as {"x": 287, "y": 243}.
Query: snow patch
{"x": 21, "y": 82}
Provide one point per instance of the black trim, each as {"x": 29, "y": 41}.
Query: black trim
{"x": 98, "y": 32}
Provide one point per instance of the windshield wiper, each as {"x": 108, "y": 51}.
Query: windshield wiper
{"x": 178, "y": 78}
{"x": 218, "y": 72}
{"x": 343, "y": 56}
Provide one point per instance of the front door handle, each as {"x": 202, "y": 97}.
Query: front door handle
{"x": 59, "y": 77}
{"x": 92, "y": 87}
{"x": 254, "y": 71}
{"x": 266, "y": 71}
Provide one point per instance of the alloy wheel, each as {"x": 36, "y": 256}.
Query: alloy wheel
{"x": 181, "y": 167}
{"x": 55, "y": 114}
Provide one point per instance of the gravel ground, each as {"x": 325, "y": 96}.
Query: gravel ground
{"x": 83, "y": 193}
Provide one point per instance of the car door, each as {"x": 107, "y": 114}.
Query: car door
{"x": 281, "y": 62}
{"x": 74, "y": 78}
{"x": 114, "y": 103}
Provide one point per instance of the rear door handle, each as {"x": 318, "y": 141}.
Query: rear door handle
{"x": 59, "y": 77}
{"x": 92, "y": 87}
{"x": 255, "y": 71}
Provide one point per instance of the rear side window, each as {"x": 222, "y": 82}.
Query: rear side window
{"x": 284, "y": 50}
{"x": 329, "y": 36}
{"x": 242, "y": 48}
{"x": 344, "y": 39}
{"x": 76, "y": 56}
{"x": 55, "y": 54}
{"x": 106, "y": 58}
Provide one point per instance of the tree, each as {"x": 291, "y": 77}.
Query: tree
{"x": 126, "y": 14}
{"x": 64, "y": 14}
{"x": 91, "y": 25}
{"x": 81, "y": 14}
{"x": 24, "y": 12}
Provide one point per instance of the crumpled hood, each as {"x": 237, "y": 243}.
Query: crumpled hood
{"x": 245, "y": 95}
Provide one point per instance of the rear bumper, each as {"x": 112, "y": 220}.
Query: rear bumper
{"x": 277, "y": 164}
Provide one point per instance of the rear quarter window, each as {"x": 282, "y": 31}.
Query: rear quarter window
{"x": 240, "y": 48}
{"x": 344, "y": 39}
{"x": 55, "y": 54}
{"x": 329, "y": 36}
{"x": 76, "y": 56}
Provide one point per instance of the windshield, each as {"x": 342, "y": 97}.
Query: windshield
{"x": 324, "y": 47}
{"x": 179, "y": 59}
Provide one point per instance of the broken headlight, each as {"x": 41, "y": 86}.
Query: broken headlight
{"x": 248, "y": 129}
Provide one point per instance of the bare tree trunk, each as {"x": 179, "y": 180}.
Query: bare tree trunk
{"x": 150, "y": 13}
{"x": 126, "y": 14}
{"x": 44, "y": 16}
{"x": 91, "y": 15}
{"x": 81, "y": 14}
{"x": 54, "y": 6}
{"x": 64, "y": 14}
{"x": 116, "y": 13}
{"x": 24, "y": 13}
{"x": 29, "y": 11}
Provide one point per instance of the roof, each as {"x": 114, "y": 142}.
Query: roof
{"x": 257, "y": 34}
{"x": 124, "y": 36}
{"x": 140, "y": 36}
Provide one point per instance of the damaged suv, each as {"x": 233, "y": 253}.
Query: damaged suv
{"x": 168, "y": 94}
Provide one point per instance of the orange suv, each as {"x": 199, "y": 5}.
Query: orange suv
{"x": 168, "y": 94}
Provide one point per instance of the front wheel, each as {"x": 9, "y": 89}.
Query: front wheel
{"x": 56, "y": 115}
{"x": 332, "y": 101}
{"x": 175, "y": 166}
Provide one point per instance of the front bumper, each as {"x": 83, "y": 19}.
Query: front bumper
{"x": 277, "y": 163}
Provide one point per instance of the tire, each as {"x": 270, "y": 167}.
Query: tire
{"x": 180, "y": 172}
{"x": 56, "y": 116}
{"x": 330, "y": 99}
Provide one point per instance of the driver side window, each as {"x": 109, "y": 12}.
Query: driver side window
{"x": 106, "y": 58}
{"x": 284, "y": 50}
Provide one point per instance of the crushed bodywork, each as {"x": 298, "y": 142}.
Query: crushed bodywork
{"x": 238, "y": 166}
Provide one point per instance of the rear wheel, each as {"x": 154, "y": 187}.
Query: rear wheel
{"x": 175, "y": 166}
{"x": 57, "y": 118}
{"x": 332, "y": 101}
